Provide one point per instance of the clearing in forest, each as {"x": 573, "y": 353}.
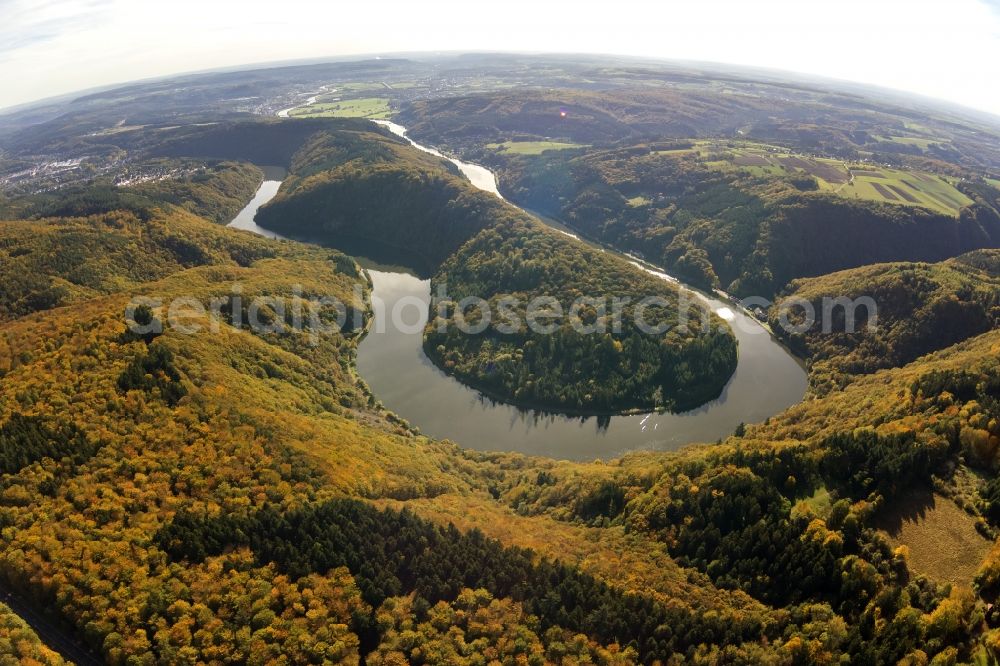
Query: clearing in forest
{"x": 942, "y": 538}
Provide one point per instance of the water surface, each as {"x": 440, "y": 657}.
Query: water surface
{"x": 767, "y": 380}
{"x": 268, "y": 189}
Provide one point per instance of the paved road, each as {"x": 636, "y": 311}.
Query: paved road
{"x": 53, "y": 635}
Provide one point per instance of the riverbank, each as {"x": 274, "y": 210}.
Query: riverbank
{"x": 403, "y": 378}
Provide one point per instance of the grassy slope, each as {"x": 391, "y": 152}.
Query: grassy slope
{"x": 941, "y": 538}
{"x": 532, "y": 147}
{"x": 846, "y": 179}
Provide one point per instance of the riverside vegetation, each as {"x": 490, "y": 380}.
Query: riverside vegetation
{"x": 745, "y": 216}
{"x": 361, "y": 185}
{"x": 241, "y": 497}
{"x": 235, "y": 513}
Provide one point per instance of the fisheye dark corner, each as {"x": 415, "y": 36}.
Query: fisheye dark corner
{"x": 551, "y": 333}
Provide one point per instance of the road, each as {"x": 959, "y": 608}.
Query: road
{"x": 52, "y": 634}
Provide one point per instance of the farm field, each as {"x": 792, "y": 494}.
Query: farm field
{"x": 852, "y": 181}
{"x": 532, "y": 147}
{"x": 910, "y": 187}
{"x": 921, "y": 142}
{"x": 365, "y": 107}
{"x": 361, "y": 86}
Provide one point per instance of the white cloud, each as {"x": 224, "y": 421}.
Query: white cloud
{"x": 942, "y": 50}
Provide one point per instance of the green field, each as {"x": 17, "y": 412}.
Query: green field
{"x": 854, "y": 181}
{"x": 994, "y": 182}
{"x": 532, "y": 147}
{"x": 360, "y": 86}
{"x": 922, "y": 142}
{"x": 676, "y": 151}
{"x": 906, "y": 187}
{"x": 365, "y": 107}
{"x": 819, "y": 502}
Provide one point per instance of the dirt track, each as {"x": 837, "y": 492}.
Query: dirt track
{"x": 53, "y": 635}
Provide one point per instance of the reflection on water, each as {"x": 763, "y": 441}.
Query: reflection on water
{"x": 766, "y": 381}
{"x": 767, "y": 378}
{"x": 267, "y": 190}
{"x": 480, "y": 176}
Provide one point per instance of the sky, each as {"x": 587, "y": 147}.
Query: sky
{"x": 947, "y": 49}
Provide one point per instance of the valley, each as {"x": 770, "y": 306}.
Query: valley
{"x": 392, "y": 361}
{"x": 266, "y": 487}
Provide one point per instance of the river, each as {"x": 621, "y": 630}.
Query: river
{"x": 268, "y": 189}
{"x": 767, "y": 380}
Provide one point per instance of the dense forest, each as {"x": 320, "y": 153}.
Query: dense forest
{"x": 240, "y": 496}
{"x": 53, "y": 261}
{"x": 374, "y": 189}
{"x": 20, "y": 645}
{"x": 566, "y": 370}
{"x": 747, "y": 232}
{"x": 351, "y": 187}
{"x": 744, "y": 512}
{"x": 919, "y": 308}
{"x": 397, "y": 554}
{"x": 269, "y": 507}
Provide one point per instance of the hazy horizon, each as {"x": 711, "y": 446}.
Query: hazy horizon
{"x": 911, "y": 47}
{"x": 722, "y": 67}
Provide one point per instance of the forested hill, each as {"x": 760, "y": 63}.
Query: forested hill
{"x": 352, "y": 187}
{"x": 736, "y": 206}
{"x": 359, "y": 188}
{"x": 55, "y": 261}
{"x": 919, "y": 308}
{"x": 252, "y": 500}
{"x": 111, "y": 443}
{"x": 265, "y": 142}
{"x": 373, "y": 188}
{"x": 725, "y": 216}
{"x": 604, "y": 371}
{"x": 240, "y": 496}
{"x": 348, "y": 180}
{"x": 217, "y": 190}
